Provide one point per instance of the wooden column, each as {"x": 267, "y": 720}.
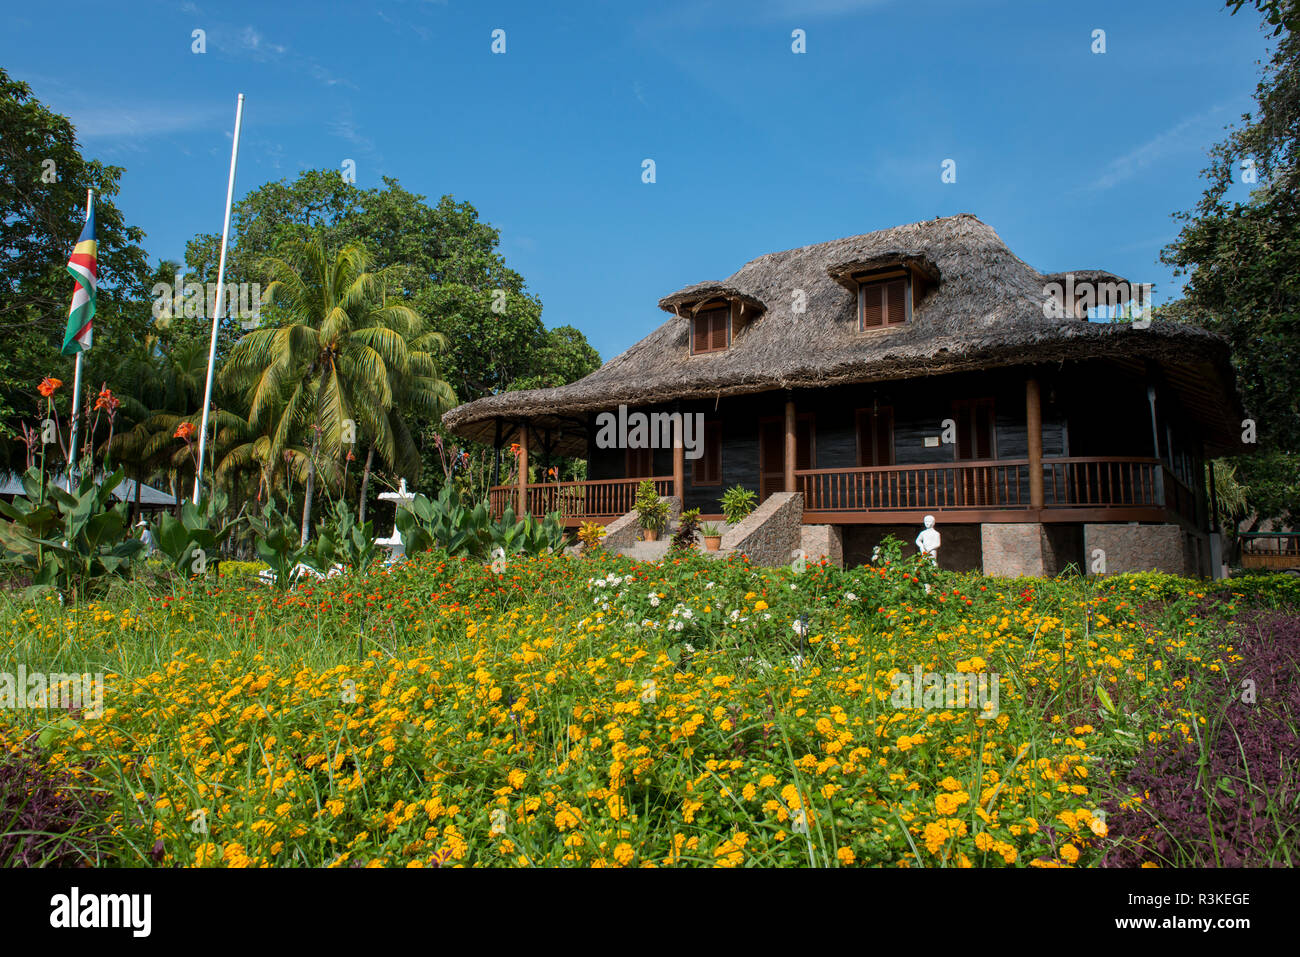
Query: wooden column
{"x": 1034, "y": 426}
{"x": 791, "y": 442}
{"x": 523, "y": 470}
{"x": 679, "y": 459}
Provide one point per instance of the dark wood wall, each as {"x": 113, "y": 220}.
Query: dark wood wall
{"x": 1087, "y": 410}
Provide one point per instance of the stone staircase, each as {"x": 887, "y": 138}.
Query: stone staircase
{"x": 647, "y": 551}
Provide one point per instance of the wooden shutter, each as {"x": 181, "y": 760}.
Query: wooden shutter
{"x": 640, "y": 463}
{"x": 873, "y": 308}
{"x": 876, "y": 437}
{"x": 710, "y": 330}
{"x": 975, "y": 429}
{"x": 895, "y": 293}
{"x": 718, "y": 340}
{"x": 707, "y": 469}
{"x": 701, "y": 334}
{"x": 804, "y": 442}
{"x": 883, "y": 303}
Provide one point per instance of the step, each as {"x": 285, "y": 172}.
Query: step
{"x": 647, "y": 551}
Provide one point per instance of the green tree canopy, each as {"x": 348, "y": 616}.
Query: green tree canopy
{"x": 43, "y": 183}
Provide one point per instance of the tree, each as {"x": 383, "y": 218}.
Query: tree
{"x": 339, "y": 358}
{"x": 43, "y": 183}
{"x": 1243, "y": 264}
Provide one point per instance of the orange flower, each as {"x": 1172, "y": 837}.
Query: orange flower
{"x": 107, "y": 402}
{"x": 514, "y": 448}
{"x": 48, "y": 386}
{"x": 185, "y": 431}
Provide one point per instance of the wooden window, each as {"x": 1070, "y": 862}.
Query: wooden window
{"x": 711, "y": 328}
{"x": 976, "y": 432}
{"x": 876, "y": 437}
{"x": 640, "y": 463}
{"x": 707, "y": 469}
{"x": 884, "y": 303}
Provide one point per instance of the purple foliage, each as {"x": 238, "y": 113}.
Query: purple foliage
{"x": 45, "y": 819}
{"x": 1239, "y": 793}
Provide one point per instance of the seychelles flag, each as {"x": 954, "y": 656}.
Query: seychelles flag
{"x": 84, "y": 268}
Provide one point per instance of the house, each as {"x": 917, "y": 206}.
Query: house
{"x": 861, "y": 384}
{"x": 148, "y": 498}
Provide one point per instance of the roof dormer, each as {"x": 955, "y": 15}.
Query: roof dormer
{"x": 888, "y": 287}
{"x": 715, "y": 314}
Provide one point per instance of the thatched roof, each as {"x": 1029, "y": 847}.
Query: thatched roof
{"x": 986, "y": 311}
{"x": 702, "y": 292}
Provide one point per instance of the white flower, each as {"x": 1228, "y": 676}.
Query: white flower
{"x": 708, "y": 585}
{"x": 849, "y": 596}
{"x": 799, "y": 626}
{"x": 767, "y": 616}
{"x": 797, "y": 661}
{"x": 654, "y": 601}
{"x": 794, "y": 587}
{"x": 687, "y": 613}
{"x": 735, "y": 614}
{"x": 688, "y": 646}
{"x": 499, "y": 821}
{"x": 799, "y": 822}
{"x": 927, "y": 588}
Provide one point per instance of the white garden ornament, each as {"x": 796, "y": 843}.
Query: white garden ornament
{"x": 396, "y": 547}
{"x": 929, "y": 540}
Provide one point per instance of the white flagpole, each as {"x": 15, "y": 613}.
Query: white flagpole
{"x": 219, "y": 306}
{"x": 76, "y": 384}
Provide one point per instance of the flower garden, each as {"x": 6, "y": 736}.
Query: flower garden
{"x": 600, "y": 712}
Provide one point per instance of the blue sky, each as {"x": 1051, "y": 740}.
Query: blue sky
{"x": 1077, "y": 159}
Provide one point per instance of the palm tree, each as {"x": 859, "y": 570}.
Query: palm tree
{"x": 338, "y": 354}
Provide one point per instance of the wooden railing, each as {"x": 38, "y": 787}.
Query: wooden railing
{"x": 1270, "y": 550}
{"x": 908, "y": 487}
{"x": 999, "y": 485}
{"x": 598, "y": 499}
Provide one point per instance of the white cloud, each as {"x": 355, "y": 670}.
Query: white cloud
{"x": 1191, "y": 134}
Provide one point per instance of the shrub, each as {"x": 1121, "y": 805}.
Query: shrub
{"x": 737, "y": 502}
{"x": 687, "y": 526}
{"x": 45, "y": 820}
{"x": 651, "y": 510}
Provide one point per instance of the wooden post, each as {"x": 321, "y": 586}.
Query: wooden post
{"x": 791, "y": 442}
{"x": 1159, "y": 477}
{"x": 523, "y": 469}
{"x": 679, "y": 459}
{"x": 1034, "y": 425}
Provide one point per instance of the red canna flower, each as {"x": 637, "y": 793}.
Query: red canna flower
{"x": 185, "y": 431}
{"x": 107, "y": 402}
{"x": 48, "y": 386}
{"x": 514, "y": 448}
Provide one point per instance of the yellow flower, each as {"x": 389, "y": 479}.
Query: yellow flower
{"x": 624, "y": 854}
{"x": 846, "y": 856}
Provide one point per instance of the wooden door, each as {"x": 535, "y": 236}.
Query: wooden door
{"x": 771, "y": 452}
{"x": 976, "y": 442}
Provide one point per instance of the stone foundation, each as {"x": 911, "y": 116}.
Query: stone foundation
{"x": 1013, "y": 550}
{"x": 1145, "y": 548}
{"x": 823, "y": 541}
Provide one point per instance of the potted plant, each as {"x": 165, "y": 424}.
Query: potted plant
{"x": 737, "y": 502}
{"x": 651, "y": 511}
{"x": 712, "y": 536}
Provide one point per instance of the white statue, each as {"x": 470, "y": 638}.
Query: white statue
{"x": 396, "y": 547}
{"x": 928, "y": 541}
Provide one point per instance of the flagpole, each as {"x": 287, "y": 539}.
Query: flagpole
{"x": 76, "y": 382}
{"x": 218, "y": 306}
